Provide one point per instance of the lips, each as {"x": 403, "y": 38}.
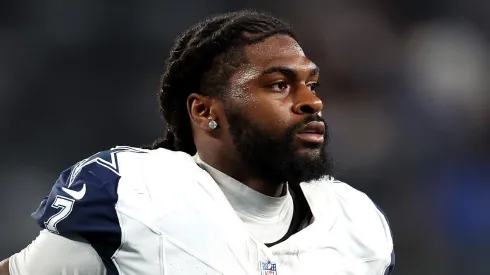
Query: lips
{"x": 313, "y": 132}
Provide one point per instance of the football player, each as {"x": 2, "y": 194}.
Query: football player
{"x": 239, "y": 184}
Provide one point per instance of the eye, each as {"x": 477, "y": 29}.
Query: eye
{"x": 313, "y": 86}
{"x": 280, "y": 86}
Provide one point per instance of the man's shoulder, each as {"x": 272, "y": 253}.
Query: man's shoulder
{"x": 354, "y": 207}
{"x": 84, "y": 196}
{"x": 362, "y": 213}
{"x": 357, "y": 218}
{"x": 354, "y": 199}
{"x": 101, "y": 171}
{"x": 106, "y": 167}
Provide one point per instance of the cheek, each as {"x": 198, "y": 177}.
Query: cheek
{"x": 275, "y": 113}
{"x": 244, "y": 101}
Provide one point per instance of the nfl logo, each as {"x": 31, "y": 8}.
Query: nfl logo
{"x": 268, "y": 268}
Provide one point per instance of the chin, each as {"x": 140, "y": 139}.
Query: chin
{"x": 309, "y": 164}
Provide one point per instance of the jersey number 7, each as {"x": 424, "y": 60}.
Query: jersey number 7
{"x": 66, "y": 206}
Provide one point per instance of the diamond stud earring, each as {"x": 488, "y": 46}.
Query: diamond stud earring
{"x": 213, "y": 124}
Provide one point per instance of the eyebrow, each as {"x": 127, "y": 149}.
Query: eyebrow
{"x": 287, "y": 71}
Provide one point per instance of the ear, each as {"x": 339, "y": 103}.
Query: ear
{"x": 201, "y": 109}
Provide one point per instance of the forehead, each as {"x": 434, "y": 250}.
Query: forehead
{"x": 276, "y": 51}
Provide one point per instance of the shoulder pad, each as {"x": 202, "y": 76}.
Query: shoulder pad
{"x": 84, "y": 196}
{"x": 83, "y": 202}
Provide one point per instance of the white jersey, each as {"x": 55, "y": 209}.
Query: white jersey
{"x": 158, "y": 212}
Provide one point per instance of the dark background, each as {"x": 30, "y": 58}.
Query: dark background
{"x": 405, "y": 86}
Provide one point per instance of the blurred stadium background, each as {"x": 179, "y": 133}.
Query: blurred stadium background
{"x": 405, "y": 84}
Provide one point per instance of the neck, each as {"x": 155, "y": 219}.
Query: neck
{"x": 238, "y": 170}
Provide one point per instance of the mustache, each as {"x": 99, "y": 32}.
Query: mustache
{"x": 300, "y": 125}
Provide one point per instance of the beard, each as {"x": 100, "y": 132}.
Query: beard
{"x": 276, "y": 158}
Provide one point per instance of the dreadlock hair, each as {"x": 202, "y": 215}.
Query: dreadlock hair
{"x": 201, "y": 61}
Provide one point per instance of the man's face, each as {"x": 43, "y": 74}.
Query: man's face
{"x": 274, "y": 115}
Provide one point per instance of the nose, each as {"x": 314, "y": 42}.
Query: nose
{"x": 307, "y": 102}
